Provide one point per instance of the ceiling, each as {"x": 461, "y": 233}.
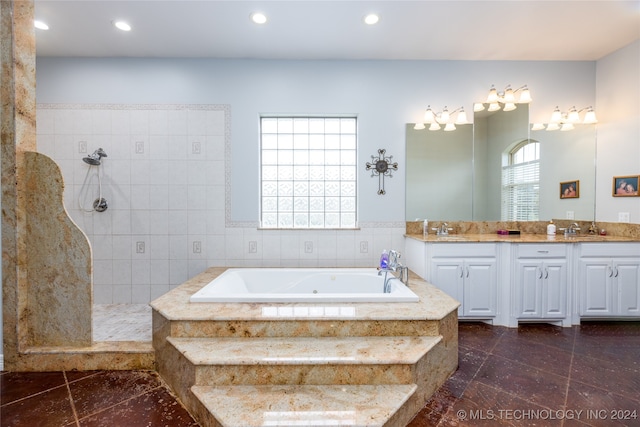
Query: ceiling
{"x": 408, "y": 30}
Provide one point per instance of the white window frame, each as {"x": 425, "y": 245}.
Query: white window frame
{"x": 521, "y": 185}
{"x": 308, "y": 172}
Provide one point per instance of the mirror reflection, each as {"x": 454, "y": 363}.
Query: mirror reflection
{"x": 439, "y": 174}
{"x": 458, "y": 176}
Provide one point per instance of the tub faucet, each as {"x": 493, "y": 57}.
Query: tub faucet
{"x": 397, "y": 270}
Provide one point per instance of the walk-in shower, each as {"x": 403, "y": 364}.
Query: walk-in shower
{"x": 99, "y": 204}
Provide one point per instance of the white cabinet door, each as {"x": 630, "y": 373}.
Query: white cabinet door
{"x": 448, "y": 275}
{"x": 542, "y": 289}
{"x": 529, "y": 283}
{"x": 627, "y": 279}
{"x": 472, "y": 282}
{"x": 480, "y": 285}
{"x": 596, "y": 282}
{"x": 554, "y": 289}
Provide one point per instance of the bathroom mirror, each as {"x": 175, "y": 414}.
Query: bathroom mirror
{"x": 439, "y": 174}
{"x": 456, "y": 176}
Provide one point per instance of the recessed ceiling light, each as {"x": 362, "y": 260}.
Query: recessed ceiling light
{"x": 40, "y": 25}
{"x": 258, "y": 18}
{"x": 371, "y": 19}
{"x": 121, "y": 25}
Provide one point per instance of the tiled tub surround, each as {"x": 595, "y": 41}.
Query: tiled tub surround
{"x": 336, "y": 358}
{"x": 167, "y": 180}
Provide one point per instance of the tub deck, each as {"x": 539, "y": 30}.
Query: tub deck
{"x": 215, "y": 352}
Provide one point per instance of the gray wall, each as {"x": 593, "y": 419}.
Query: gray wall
{"x": 384, "y": 94}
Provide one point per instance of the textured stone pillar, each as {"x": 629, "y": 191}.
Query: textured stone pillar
{"x": 17, "y": 122}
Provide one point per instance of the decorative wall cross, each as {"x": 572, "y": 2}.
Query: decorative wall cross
{"x": 382, "y": 167}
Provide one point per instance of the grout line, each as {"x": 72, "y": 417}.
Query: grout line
{"x": 120, "y": 403}
{"x": 73, "y": 405}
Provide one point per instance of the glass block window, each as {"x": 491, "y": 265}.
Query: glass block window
{"x": 521, "y": 183}
{"x": 308, "y": 172}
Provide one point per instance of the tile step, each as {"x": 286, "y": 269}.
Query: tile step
{"x": 304, "y": 350}
{"x": 309, "y": 405}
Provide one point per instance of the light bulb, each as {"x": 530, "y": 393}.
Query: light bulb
{"x": 525, "y": 96}
{"x": 461, "y": 119}
{"x": 429, "y": 117}
{"x": 493, "y": 95}
{"x": 449, "y": 127}
{"x": 537, "y": 126}
{"x": 434, "y": 126}
{"x": 444, "y": 116}
{"x": 553, "y": 126}
{"x": 259, "y": 18}
{"x": 509, "y": 106}
{"x": 590, "y": 117}
{"x": 418, "y": 126}
{"x": 494, "y": 106}
{"x": 478, "y": 106}
{"x": 567, "y": 126}
{"x": 556, "y": 116}
{"x": 573, "y": 115}
{"x": 508, "y": 96}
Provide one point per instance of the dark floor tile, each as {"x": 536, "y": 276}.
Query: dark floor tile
{"x": 154, "y": 408}
{"x": 612, "y": 375}
{"x": 483, "y": 405}
{"x": 107, "y": 388}
{"x": 479, "y": 335}
{"x": 597, "y": 407}
{"x": 436, "y": 407}
{"x": 469, "y": 362}
{"x": 540, "y": 356}
{"x": 524, "y": 381}
{"x": 78, "y": 375}
{"x": 544, "y": 333}
{"x": 18, "y": 385}
{"x": 49, "y": 408}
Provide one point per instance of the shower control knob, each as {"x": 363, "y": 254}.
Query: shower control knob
{"x": 100, "y": 205}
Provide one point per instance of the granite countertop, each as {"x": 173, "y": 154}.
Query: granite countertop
{"x": 520, "y": 238}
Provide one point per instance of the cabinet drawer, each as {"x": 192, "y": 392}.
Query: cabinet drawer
{"x": 553, "y": 250}
{"x": 463, "y": 250}
{"x": 630, "y": 249}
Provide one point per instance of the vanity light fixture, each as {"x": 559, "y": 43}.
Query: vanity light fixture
{"x": 567, "y": 121}
{"x": 40, "y": 25}
{"x": 506, "y": 97}
{"x": 434, "y": 120}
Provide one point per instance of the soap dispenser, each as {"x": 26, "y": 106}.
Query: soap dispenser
{"x": 425, "y": 229}
{"x": 384, "y": 259}
{"x": 551, "y": 228}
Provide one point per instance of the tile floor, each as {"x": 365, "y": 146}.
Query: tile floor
{"x": 534, "y": 375}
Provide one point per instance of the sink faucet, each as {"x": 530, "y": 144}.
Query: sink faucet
{"x": 397, "y": 270}
{"x": 571, "y": 230}
{"x": 443, "y": 230}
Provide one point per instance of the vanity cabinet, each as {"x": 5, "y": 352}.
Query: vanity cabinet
{"x": 541, "y": 283}
{"x": 468, "y": 273}
{"x": 609, "y": 280}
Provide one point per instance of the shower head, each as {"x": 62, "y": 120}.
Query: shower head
{"x": 95, "y": 158}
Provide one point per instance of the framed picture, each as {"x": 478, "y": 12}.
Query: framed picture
{"x": 625, "y": 186}
{"x": 570, "y": 189}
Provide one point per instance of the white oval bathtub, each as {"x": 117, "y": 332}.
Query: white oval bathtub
{"x": 302, "y": 285}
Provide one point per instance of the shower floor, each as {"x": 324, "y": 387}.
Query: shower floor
{"x": 122, "y": 322}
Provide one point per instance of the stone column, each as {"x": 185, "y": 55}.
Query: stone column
{"x": 17, "y": 122}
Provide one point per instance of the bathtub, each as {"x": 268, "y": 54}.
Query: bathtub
{"x": 308, "y": 285}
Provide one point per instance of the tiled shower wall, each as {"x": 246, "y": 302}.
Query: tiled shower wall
{"x": 167, "y": 183}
